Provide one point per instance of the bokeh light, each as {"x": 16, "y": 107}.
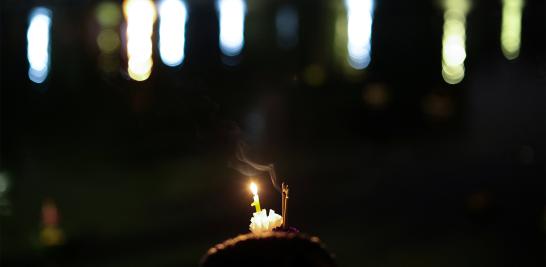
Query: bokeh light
{"x": 314, "y": 75}
{"x": 172, "y": 31}
{"x": 359, "y": 32}
{"x": 108, "y": 14}
{"x": 511, "y": 27}
{"x": 376, "y": 96}
{"x": 438, "y": 106}
{"x": 51, "y": 234}
{"x": 4, "y": 183}
{"x": 108, "y": 41}
{"x": 38, "y": 44}
{"x": 478, "y": 201}
{"x": 140, "y": 16}
{"x": 231, "y": 14}
{"x": 287, "y": 25}
{"x": 454, "y": 40}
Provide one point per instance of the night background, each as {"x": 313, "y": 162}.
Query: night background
{"x": 389, "y": 163}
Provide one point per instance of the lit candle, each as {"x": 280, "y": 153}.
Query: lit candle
{"x": 256, "y": 202}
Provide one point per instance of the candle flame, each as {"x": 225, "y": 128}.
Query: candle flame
{"x": 254, "y": 188}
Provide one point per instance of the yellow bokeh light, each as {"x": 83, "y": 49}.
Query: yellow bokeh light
{"x": 108, "y": 41}
{"x": 108, "y": 14}
{"x": 453, "y": 74}
{"x": 51, "y": 236}
{"x": 108, "y": 63}
{"x": 139, "y": 70}
{"x": 314, "y": 75}
{"x": 140, "y": 16}
{"x": 511, "y": 27}
{"x": 454, "y": 40}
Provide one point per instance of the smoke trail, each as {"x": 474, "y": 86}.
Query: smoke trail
{"x": 250, "y": 168}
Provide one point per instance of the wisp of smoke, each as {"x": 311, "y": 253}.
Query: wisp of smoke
{"x": 248, "y": 167}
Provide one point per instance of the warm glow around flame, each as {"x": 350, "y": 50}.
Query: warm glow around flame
{"x": 254, "y": 188}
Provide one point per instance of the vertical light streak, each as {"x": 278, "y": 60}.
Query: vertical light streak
{"x": 38, "y": 44}
{"x": 511, "y": 27}
{"x": 172, "y": 31}
{"x": 140, "y": 16}
{"x": 359, "y": 32}
{"x": 454, "y": 40}
{"x": 231, "y": 14}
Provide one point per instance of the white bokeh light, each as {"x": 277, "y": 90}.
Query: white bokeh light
{"x": 172, "y": 31}
{"x": 231, "y": 14}
{"x": 38, "y": 46}
{"x": 140, "y": 16}
{"x": 359, "y": 32}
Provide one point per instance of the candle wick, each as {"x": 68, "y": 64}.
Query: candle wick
{"x": 284, "y": 203}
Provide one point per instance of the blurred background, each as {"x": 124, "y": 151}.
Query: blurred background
{"x": 411, "y": 133}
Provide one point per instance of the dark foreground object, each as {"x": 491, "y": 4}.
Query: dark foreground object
{"x": 270, "y": 249}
